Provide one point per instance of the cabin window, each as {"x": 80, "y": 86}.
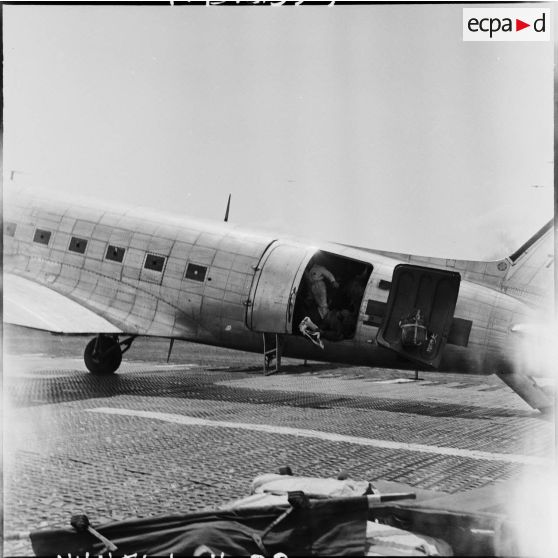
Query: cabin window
{"x": 460, "y": 331}
{"x": 10, "y": 229}
{"x": 196, "y": 272}
{"x": 115, "y": 253}
{"x": 375, "y": 313}
{"x": 154, "y": 262}
{"x": 78, "y": 245}
{"x": 384, "y": 285}
{"x": 42, "y": 236}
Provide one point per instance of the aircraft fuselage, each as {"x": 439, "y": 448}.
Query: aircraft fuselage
{"x": 220, "y": 285}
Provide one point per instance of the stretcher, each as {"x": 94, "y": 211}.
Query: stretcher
{"x": 286, "y": 515}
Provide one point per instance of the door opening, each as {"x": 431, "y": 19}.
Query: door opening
{"x": 329, "y": 297}
{"x": 419, "y": 312}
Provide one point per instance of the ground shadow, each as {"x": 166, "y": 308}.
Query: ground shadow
{"x": 71, "y": 385}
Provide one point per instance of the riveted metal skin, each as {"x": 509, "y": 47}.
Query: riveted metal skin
{"x": 153, "y": 291}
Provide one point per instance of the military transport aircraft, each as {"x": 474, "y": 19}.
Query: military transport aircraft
{"x": 71, "y": 267}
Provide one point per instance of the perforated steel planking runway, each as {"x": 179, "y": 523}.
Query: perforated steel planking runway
{"x": 157, "y": 438}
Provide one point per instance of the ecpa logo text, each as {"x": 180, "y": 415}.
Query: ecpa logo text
{"x": 493, "y": 24}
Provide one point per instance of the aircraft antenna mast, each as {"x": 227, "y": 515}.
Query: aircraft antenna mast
{"x": 227, "y": 210}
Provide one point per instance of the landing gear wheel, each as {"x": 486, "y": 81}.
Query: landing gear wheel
{"x": 103, "y": 355}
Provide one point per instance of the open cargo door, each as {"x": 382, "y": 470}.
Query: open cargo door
{"x": 275, "y": 286}
{"x": 419, "y": 312}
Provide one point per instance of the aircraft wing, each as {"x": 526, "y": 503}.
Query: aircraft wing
{"x": 33, "y": 305}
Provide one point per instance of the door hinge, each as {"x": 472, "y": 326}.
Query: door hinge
{"x": 247, "y": 303}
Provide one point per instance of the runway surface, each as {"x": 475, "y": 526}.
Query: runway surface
{"x": 158, "y": 438}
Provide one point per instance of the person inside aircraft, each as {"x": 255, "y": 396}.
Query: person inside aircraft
{"x": 353, "y": 290}
{"x": 331, "y": 327}
{"x": 316, "y": 278}
{"x": 306, "y": 305}
{"x": 330, "y": 296}
{"x": 336, "y": 326}
{"x": 311, "y": 331}
{"x": 348, "y": 323}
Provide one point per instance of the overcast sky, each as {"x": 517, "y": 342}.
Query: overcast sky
{"x": 370, "y": 125}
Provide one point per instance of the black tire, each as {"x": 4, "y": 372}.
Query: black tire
{"x": 106, "y": 359}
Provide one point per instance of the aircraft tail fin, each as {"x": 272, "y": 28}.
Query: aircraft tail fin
{"x": 532, "y": 266}
{"x": 527, "y": 246}
{"x": 527, "y": 274}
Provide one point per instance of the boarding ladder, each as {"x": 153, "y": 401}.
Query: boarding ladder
{"x": 272, "y": 349}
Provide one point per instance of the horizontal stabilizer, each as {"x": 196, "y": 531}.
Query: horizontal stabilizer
{"x": 33, "y": 305}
